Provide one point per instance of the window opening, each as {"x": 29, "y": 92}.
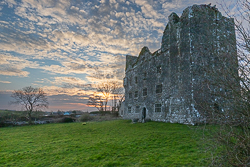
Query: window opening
{"x": 129, "y": 109}
{"x": 159, "y": 88}
{"x": 216, "y": 107}
{"x": 157, "y": 107}
{"x": 144, "y": 75}
{"x": 137, "y": 110}
{"x": 145, "y": 92}
{"x": 130, "y": 95}
{"x": 136, "y": 94}
{"x": 159, "y": 69}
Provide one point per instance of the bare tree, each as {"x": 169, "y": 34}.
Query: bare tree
{"x": 31, "y": 98}
{"x": 117, "y": 95}
{"x": 108, "y": 85}
{"x": 106, "y": 89}
{"x": 231, "y": 89}
{"x": 96, "y": 101}
{"x": 111, "y": 90}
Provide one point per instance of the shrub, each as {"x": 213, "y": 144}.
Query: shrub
{"x": 85, "y": 117}
{"x": 6, "y": 123}
{"x": 65, "y": 120}
{"x": 115, "y": 114}
{"x": 2, "y": 124}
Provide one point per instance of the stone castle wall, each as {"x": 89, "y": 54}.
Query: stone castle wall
{"x": 200, "y": 40}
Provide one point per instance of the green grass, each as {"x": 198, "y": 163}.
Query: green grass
{"x": 110, "y": 143}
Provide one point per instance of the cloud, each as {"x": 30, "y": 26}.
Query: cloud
{"x": 74, "y": 8}
{"x": 5, "y": 81}
{"x": 117, "y": 27}
{"x": 60, "y": 101}
{"x": 12, "y": 71}
{"x": 14, "y": 66}
{"x": 113, "y": 71}
{"x": 99, "y": 30}
{"x": 65, "y": 102}
{"x": 68, "y": 66}
{"x": 81, "y": 36}
{"x": 68, "y": 80}
{"x": 56, "y": 90}
{"x": 19, "y": 41}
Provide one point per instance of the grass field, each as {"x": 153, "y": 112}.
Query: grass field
{"x": 109, "y": 143}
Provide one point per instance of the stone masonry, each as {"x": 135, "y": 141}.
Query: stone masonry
{"x": 166, "y": 85}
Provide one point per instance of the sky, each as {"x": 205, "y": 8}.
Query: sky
{"x": 66, "y": 47}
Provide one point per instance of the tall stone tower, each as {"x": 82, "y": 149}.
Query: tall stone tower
{"x": 170, "y": 84}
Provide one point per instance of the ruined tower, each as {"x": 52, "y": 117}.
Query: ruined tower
{"x": 169, "y": 84}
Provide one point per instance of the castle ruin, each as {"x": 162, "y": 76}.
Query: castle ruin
{"x": 168, "y": 85}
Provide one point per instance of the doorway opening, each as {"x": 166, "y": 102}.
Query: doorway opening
{"x": 144, "y": 113}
